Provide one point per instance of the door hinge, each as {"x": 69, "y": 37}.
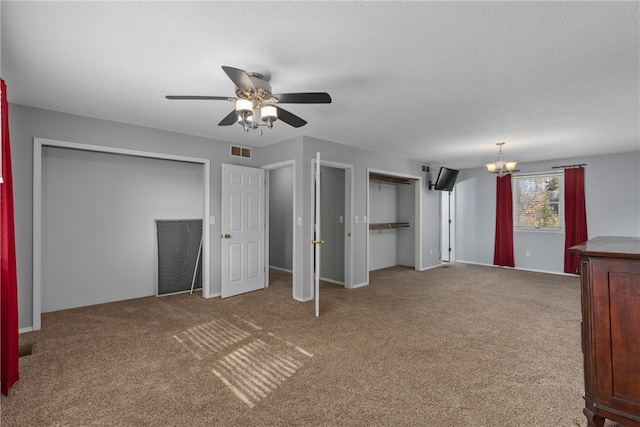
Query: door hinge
{"x": 449, "y": 249}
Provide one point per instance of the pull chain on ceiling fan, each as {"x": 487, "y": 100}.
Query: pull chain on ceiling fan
{"x": 255, "y": 105}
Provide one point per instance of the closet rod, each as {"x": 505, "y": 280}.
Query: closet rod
{"x": 387, "y": 225}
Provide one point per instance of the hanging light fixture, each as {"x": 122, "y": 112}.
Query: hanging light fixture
{"x": 253, "y": 114}
{"x": 500, "y": 167}
{"x": 268, "y": 114}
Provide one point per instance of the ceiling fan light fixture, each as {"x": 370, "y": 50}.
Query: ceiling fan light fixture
{"x": 244, "y": 106}
{"x": 254, "y": 103}
{"x": 269, "y": 113}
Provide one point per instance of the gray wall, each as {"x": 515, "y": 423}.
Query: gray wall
{"x": 302, "y": 150}
{"x": 361, "y": 160}
{"x": 26, "y": 123}
{"x": 98, "y": 223}
{"x": 612, "y": 193}
{"x": 281, "y": 218}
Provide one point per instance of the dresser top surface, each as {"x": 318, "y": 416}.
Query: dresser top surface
{"x": 609, "y": 246}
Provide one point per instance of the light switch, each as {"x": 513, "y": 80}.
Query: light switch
{"x": 299, "y": 220}
{"x": 364, "y": 219}
{"x": 341, "y": 219}
{"x": 212, "y": 220}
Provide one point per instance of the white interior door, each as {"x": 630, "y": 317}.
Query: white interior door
{"x": 243, "y": 234}
{"x": 445, "y": 229}
{"x": 316, "y": 238}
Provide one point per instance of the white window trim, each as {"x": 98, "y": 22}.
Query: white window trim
{"x": 561, "y": 207}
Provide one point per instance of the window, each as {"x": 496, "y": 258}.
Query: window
{"x": 538, "y": 201}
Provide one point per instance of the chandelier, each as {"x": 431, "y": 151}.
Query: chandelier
{"x": 253, "y": 114}
{"x": 500, "y": 167}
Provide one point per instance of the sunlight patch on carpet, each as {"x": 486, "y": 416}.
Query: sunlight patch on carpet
{"x": 251, "y": 364}
{"x": 256, "y": 369}
{"x": 253, "y": 325}
{"x": 211, "y": 337}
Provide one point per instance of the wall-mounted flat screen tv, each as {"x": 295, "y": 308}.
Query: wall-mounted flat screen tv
{"x": 446, "y": 179}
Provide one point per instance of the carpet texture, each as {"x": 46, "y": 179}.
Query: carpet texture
{"x": 465, "y": 346}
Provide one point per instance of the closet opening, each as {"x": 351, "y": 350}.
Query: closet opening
{"x": 393, "y": 219}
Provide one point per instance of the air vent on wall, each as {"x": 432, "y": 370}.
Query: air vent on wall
{"x": 425, "y": 168}
{"x": 237, "y": 151}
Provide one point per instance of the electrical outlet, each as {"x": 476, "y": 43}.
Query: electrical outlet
{"x": 528, "y": 253}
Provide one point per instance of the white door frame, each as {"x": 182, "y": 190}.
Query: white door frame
{"x": 348, "y": 253}
{"x": 417, "y": 215}
{"x": 450, "y": 199}
{"x": 317, "y": 242}
{"x": 39, "y": 143}
{"x": 270, "y": 167}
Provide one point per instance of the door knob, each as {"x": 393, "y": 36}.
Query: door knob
{"x": 226, "y": 236}
{"x": 321, "y": 242}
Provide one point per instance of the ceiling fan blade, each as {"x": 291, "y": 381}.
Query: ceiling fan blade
{"x": 240, "y": 78}
{"x": 290, "y": 118}
{"x": 209, "y": 98}
{"x": 230, "y": 119}
{"x": 304, "y": 98}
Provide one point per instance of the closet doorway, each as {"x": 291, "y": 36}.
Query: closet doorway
{"x": 336, "y": 207}
{"x": 394, "y": 206}
{"x": 281, "y": 218}
{"x": 98, "y": 218}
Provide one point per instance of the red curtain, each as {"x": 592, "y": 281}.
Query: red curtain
{"x": 575, "y": 217}
{"x": 9, "y": 341}
{"x": 503, "y": 251}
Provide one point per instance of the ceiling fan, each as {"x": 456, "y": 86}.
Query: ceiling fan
{"x": 255, "y": 105}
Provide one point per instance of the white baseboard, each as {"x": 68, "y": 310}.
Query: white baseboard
{"x": 25, "y": 330}
{"x": 473, "y": 263}
{"x": 431, "y": 268}
{"x": 519, "y": 268}
{"x": 548, "y": 272}
{"x": 359, "y": 285}
{"x": 335, "y": 282}
{"x": 281, "y": 269}
{"x": 303, "y": 299}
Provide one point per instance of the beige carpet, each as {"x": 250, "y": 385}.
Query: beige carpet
{"x": 458, "y": 346}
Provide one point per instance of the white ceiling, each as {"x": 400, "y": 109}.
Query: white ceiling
{"x": 440, "y": 82}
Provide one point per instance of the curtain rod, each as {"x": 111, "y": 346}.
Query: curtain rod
{"x": 568, "y": 166}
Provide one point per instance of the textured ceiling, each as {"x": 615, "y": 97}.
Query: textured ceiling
{"x": 440, "y": 82}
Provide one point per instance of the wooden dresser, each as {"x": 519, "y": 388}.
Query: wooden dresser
{"x": 610, "y": 281}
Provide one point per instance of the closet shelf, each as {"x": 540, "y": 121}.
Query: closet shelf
{"x": 387, "y": 179}
{"x": 387, "y": 225}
